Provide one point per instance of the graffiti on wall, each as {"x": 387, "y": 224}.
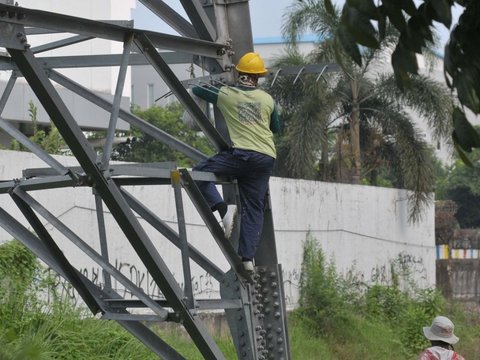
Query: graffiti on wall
{"x": 203, "y": 285}
{"x": 401, "y": 269}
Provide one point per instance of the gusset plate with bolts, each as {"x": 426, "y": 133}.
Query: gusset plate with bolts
{"x": 270, "y": 281}
{"x": 246, "y": 322}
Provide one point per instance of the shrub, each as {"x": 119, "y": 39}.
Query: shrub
{"x": 377, "y": 317}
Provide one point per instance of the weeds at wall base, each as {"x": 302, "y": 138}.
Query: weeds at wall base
{"x": 337, "y": 319}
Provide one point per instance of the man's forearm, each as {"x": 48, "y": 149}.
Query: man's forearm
{"x": 209, "y": 94}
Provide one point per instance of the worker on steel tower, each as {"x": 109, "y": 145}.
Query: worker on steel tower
{"x": 252, "y": 118}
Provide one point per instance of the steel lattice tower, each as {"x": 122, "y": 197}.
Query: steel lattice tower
{"x": 217, "y": 34}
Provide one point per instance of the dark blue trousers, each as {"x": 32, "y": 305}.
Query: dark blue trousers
{"x": 252, "y": 171}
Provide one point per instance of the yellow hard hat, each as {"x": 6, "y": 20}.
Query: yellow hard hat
{"x": 251, "y": 63}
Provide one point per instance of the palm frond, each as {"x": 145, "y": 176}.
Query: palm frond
{"x": 428, "y": 98}
{"x": 311, "y": 15}
{"x": 412, "y": 156}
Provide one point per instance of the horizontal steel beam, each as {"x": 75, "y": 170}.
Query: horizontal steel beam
{"x": 86, "y": 61}
{"x": 200, "y": 304}
{"x": 87, "y": 27}
{"x": 42, "y": 31}
{"x": 53, "y": 182}
{"x": 147, "y": 172}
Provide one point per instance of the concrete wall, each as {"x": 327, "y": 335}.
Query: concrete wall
{"x": 363, "y": 229}
{"x": 459, "y": 279}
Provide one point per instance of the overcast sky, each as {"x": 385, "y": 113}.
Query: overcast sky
{"x": 266, "y": 17}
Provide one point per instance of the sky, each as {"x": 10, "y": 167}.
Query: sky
{"x": 266, "y": 18}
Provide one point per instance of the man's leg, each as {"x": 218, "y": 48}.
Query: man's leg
{"x": 223, "y": 163}
{"x": 252, "y": 196}
{"x": 253, "y": 188}
{"x": 220, "y": 164}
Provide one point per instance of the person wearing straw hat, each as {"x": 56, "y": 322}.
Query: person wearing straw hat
{"x": 442, "y": 339}
{"x": 251, "y": 117}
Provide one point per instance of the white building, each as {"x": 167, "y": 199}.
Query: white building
{"x": 100, "y": 80}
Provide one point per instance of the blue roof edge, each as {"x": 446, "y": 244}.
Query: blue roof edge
{"x": 281, "y": 39}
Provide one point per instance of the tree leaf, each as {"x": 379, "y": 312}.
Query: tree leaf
{"x": 395, "y": 14}
{"x": 465, "y": 84}
{"x": 461, "y": 153}
{"x": 447, "y": 62}
{"x": 366, "y": 7}
{"x": 382, "y": 22}
{"x": 360, "y": 27}
{"x": 443, "y": 11}
{"x": 421, "y": 27}
{"x": 464, "y": 134}
{"x": 412, "y": 40}
{"x": 403, "y": 58}
{"x": 329, "y": 7}
{"x": 409, "y": 7}
{"x": 349, "y": 45}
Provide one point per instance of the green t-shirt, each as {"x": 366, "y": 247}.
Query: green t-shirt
{"x": 247, "y": 114}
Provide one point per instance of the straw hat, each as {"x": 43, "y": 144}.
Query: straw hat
{"x": 441, "y": 330}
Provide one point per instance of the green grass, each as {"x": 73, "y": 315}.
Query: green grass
{"x": 337, "y": 319}
{"x": 66, "y": 335}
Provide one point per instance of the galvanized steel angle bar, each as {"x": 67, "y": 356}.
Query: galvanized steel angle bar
{"x": 104, "y": 60}
{"x": 39, "y": 248}
{"x": 182, "y": 235}
{"x": 267, "y": 248}
{"x": 151, "y": 340}
{"x": 143, "y": 333}
{"x": 139, "y": 170}
{"x": 122, "y": 72}
{"x": 274, "y": 311}
{"x": 102, "y": 235}
{"x": 90, "y": 252}
{"x": 146, "y": 46}
{"x": 87, "y": 27}
{"x": 183, "y": 27}
{"x": 61, "y": 43}
{"x": 55, "y": 107}
{"x": 144, "y": 126}
{"x": 7, "y": 91}
{"x": 211, "y": 222}
{"x": 43, "y": 31}
{"x": 172, "y": 236}
{"x": 12, "y": 36}
{"x": 227, "y": 2}
{"x": 201, "y": 22}
{"x": 107, "y": 189}
{"x": 56, "y": 253}
{"x": 171, "y": 17}
{"x": 53, "y": 182}
{"x": 240, "y": 319}
{"x": 34, "y": 148}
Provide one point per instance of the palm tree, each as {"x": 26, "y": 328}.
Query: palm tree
{"x": 370, "y": 116}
